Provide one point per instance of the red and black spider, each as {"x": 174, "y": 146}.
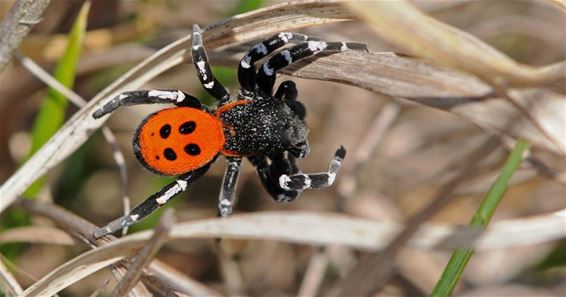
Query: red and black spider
{"x": 268, "y": 129}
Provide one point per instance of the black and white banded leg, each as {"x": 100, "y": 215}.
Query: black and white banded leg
{"x": 246, "y": 69}
{"x": 152, "y": 203}
{"x": 227, "y": 197}
{"x": 302, "y": 181}
{"x": 287, "y": 91}
{"x": 269, "y": 176}
{"x": 266, "y": 74}
{"x": 207, "y": 79}
{"x": 148, "y": 97}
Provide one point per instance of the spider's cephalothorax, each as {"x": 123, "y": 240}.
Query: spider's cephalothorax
{"x": 267, "y": 128}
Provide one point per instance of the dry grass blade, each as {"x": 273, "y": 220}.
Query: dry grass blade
{"x": 240, "y": 28}
{"x": 402, "y": 24}
{"x": 76, "y": 273}
{"x": 453, "y": 91}
{"x": 144, "y": 257}
{"x": 8, "y": 282}
{"x": 324, "y": 229}
{"x": 314, "y": 274}
{"x": 100, "y": 289}
{"x": 457, "y": 92}
{"x": 36, "y": 234}
{"x": 180, "y": 282}
{"x": 163, "y": 274}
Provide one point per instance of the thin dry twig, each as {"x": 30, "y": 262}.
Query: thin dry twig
{"x": 84, "y": 230}
{"x": 366, "y": 149}
{"x": 23, "y": 15}
{"x": 20, "y": 272}
{"x": 8, "y": 282}
{"x": 79, "y": 227}
{"x": 314, "y": 275}
{"x": 145, "y": 256}
{"x": 100, "y": 289}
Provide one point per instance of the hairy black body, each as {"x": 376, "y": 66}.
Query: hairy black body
{"x": 265, "y": 126}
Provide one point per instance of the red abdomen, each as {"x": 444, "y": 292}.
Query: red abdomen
{"x": 178, "y": 140}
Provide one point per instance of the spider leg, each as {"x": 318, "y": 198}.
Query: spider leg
{"x": 269, "y": 175}
{"x": 152, "y": 203}
{"x": 287, "y": 91}
{"x": 147, "y": 97}
{"x": 207, "y": 79}
{"x": 301, "y": 181}
{"x": 246, "y": 69}
{"x": 227, "y": 197}
{"x": 266, "y": 74}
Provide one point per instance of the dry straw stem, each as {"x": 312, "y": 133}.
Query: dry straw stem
{"x": 164, "y": 275}
{"x": 324, "y": 229}
{"x": 21, "y": 17}
{"x": 36, "y": 234}
{"x": 314, "y": 275}
{"x": 100, "y": 289}
{"x": 145, "y": 256}
{"x": 453, "y": 91}
{"x": 400, "y": 23}
{"x": 8, "y": 282}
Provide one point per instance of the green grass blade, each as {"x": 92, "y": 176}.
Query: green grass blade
{"x": 248, "y": 5}
{"x": 459, "y": 259}
{"x": 52, "y": 112}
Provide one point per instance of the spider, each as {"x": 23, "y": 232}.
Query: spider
{"x": 269, "y": 129}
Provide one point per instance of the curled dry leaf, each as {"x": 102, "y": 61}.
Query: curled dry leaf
{"x": 323, "y": 229}
{"x": 457, "y": 92}
{"x": 454, "y": 91}
{"x": 400, "y": 23}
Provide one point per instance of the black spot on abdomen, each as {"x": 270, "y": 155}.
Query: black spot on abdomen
{"x": 165, "y": 131}
{"x": 192, "y": 149}
{"x": 187, "y": 127}
{"x": 170, "y": 154}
